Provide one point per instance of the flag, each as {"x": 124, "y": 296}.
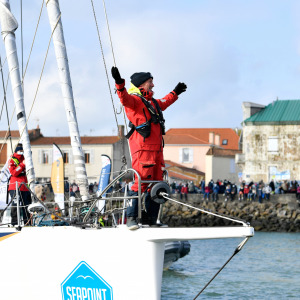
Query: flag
{"x": 104, "y": 179}
{"x": 57, "y": 177}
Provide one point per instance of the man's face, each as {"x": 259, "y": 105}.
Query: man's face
{"x": 148, "y": 85}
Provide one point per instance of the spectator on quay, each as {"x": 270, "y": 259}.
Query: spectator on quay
{"x": 227, "y": 192}
{"x": 222, "y": 188}
{"x": 267, "y": 191}
{"x": 241, "y": 192}
{"x": 260, "y": 193}
{"x": 173, "y": 186}
{"x": 246, "y": 191}
{"x": 202, "y": 186}
{"x": 179, "y": 187}
{"x": 206, "y": 192}
{"x": 284, "y": 187}
{"x": 250, "y": 194}
{"x": 91, "y": 187}
{"x": 298, "y": 193}
{"x": 272, "y": 186}
{"x": 191, "y": 187}
{"x": 211, "y": 185}
{"x": 233, "y": 191}
{"x": 184, "y": 191}
{"x": 254, "y": 191}
{"x": 215, "y": 193}
{"x": 293, "y": 186}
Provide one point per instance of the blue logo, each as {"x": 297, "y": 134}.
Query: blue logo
{"x": 84, "y": 283}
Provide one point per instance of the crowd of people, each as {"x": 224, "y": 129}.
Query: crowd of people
{"x": 244, "y": 191}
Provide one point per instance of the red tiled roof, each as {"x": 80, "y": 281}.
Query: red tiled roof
{"x": 14, "y": 133}
{"x": 180, "y": 176}
{"x": 222, "y": 152}
{"x": 170, "y": 164}
{"x": 183, "y": 139}
{"x": 62, "y": 140}
{"x": 187, "y": 135}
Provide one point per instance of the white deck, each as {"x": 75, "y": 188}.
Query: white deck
{"x": 37, "y": 260}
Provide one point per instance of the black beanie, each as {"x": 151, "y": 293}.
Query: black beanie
{"x": 139, "y": 78}
{"x": 19, "y": 148}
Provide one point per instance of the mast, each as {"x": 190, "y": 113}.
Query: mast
{"x": 66, "y": 86}
{"x": 8, "y": 26}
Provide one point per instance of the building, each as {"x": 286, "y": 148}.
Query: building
{"x": 93, "y": 147}
{"x": 189, "y": 147}
{"x": 270, "y": 141}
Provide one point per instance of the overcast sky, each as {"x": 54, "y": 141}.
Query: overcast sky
{"x": 226, "y": 51}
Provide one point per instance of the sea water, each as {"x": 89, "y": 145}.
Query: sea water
{"x": 268, "y": 267}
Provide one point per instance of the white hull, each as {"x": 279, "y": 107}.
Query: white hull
{"x": 37, "y": 260}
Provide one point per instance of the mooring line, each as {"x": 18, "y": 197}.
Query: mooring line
{"x": 165, "y": 195}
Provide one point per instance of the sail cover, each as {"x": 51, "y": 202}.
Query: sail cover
{"x": 57, "y": 177}
{"x": 104, "y": 179}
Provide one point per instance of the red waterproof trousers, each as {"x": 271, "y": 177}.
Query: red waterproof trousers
{"x": 149, "y": 165}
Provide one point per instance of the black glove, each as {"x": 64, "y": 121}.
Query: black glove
{"x": 116, "y": 75}
{"x": 180, "y": 88}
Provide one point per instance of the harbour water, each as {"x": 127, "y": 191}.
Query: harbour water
{"x": 268, "y": 267}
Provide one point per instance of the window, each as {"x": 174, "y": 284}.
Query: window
{"x": 87, "y": 157}
{"x": 66, "y": 158}
{"x": 273, "y": 144}
{"x": 225, "y": 142}
{"x": 186, "y": 155}
{"x": 45, "y": 157}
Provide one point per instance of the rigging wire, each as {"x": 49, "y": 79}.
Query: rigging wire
{"x": 4, "y": 101}
{"x": 113, "y": 54}
{"x": 103, "y": 58}
{"x": 237, "y": 250}
{"x": 23, "y": 75}
{"x": 108, "y": 82}
{"x": 36, "y": 92}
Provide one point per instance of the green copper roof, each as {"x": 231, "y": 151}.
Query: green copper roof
{"x": 278, "y": 112}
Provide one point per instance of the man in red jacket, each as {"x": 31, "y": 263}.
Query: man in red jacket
{"x": 145, "y": 136}
{"x": 18, "y": 178}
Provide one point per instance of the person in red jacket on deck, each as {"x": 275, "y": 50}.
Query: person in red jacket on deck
{"x": 18, "y": 178}
{"x": 145, "y": 137}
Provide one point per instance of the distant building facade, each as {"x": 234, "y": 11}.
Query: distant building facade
{"x": 93, "y": 147}
{"x": 189, "y": 147}
{"x": 270, "y": 141}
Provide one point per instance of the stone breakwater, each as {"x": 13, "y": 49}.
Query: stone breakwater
{"x": 281, "y": 213}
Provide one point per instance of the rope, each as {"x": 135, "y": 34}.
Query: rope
{"x": 108, "y": 82}
{"x": 22, "y": 76}
{"x": 112, "y": 50}
{"x": 102, "y": 52}
{"x": 33, "y": 102}
{"x": 165, "y": 195}
{"x": 237, "y": 250}
{"x": 4, "y": 101}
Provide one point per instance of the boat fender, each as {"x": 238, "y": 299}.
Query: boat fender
{"x": 157, "y": 189}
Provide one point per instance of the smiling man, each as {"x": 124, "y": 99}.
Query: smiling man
{"x": 145, "y": 137}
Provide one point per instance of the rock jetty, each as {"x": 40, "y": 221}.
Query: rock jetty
{"x": 281, "y": 213}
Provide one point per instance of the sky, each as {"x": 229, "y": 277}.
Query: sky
{"x": 226, "y": 51}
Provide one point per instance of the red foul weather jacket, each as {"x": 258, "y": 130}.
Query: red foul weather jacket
{"x": 147, "y": 155}
{"x": 135, "y": 108}
{"x": 17, "y": 170}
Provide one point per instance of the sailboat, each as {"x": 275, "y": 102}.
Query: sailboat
{"x": 83, "y": 260}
